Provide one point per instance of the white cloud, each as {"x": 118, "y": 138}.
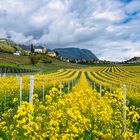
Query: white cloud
{"x": 107, "y": 16}
{"x": 56, "y": 5}
{"x": 109, "y": 28}
{"x": 19, "y": 37}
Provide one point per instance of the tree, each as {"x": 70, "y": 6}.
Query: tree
{"x": 57, "y": 54}
{"x": 34, "y": 59}
{"x": 32, "y": 48}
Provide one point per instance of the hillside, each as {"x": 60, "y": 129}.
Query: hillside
{"x": 133, "y": 60}
{"x": 56, "y": 64}
{"x": 13, "y": 59}
{"x": 51, "y": 64}
{"x": 76, "y": 53}
{"x": 7, "y": 46}
{"x": 45, "y": 63}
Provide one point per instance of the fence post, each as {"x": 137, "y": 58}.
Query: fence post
{"x": 43, "y": 90}
{"x": 124, "y": 110}
{"x": 60, "y": 85}
{"x": 20, "y": 84}
{"x": 31, "y": 89}
{"x": 100, "y": 90}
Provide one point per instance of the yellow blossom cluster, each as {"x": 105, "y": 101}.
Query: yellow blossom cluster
{"x": 113, "y": 77}
{"x": 10, "y": 85}
{"x": 81, "y": 114}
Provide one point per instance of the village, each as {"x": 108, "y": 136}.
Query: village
{"x": 39, "y": 50}
{"x": 32, "y": 49}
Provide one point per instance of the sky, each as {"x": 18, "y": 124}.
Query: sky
{"x": 109, "y": 28}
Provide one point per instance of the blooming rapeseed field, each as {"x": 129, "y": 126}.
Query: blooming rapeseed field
{"x": 80, "y": 114}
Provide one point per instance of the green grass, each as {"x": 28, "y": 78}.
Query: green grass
{"x": 24, "y": 62}
{"x": 57, "y": 64}
{"x": 10, "y": 47}
{"x": 9, "y": 58}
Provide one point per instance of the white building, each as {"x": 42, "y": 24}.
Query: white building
{"x": 38, "y": 50}
{"x": 52, "y": 54}
{"x": 2, "y": 40}
{"x": 44, "y": 50}
{"x": 68, "y": 60}
{"x": 17, "y": 53}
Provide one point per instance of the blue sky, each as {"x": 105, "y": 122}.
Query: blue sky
{"x": 109, "y": 28}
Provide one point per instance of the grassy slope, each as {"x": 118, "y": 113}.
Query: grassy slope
{"x": 57, "y": 64}
{"x": 24, "y": 61}
{"x": 7, "y": 59}
{"x": 9, "y": 47}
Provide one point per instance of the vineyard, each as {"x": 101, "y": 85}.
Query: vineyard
{"x": 15, "y": 64}
{"x": 101, "y": 102}
{"x": 6, "y": 68}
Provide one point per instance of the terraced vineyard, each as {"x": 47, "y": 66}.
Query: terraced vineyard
{"x": 115, "y": 77}
{"x": 72, "y": 104}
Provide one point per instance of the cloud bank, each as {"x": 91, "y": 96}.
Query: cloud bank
{"x": 109, "y": 28}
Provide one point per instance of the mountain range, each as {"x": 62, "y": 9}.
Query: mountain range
{"x": 8, "y": 46}
{"x": 133, "y": 60}
{"x": 76, "y": 53}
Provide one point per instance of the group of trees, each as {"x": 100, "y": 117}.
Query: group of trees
{"x": 34, "y": 58}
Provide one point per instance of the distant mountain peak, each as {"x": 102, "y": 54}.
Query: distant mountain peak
{"x": 76, "y": 53}
{"x": 134, "y": 60}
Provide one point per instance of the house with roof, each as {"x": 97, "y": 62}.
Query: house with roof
{"x": 17, "y": 53}
{"x": 51, "y": 53}
{"x": 40, "y": 50}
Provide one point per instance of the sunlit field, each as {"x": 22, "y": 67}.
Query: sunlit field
{"x": 100, "y": 102}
